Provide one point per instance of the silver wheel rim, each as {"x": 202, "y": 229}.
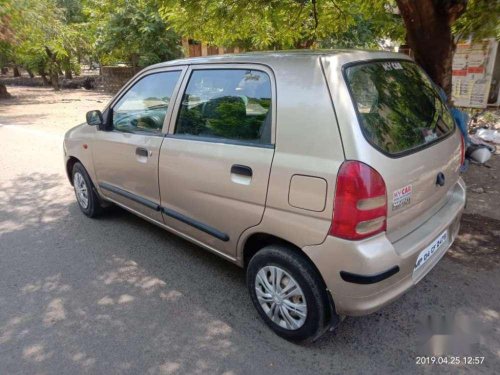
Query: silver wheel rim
{"x": 81, "y": 191}
{"x": 281, "y": 297}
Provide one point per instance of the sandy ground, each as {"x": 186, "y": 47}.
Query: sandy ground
{"x": 119, "y": 295}
{"x": 44, "y": 108}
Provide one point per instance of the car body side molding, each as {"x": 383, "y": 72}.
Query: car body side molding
{"x": 196, "y": 224}
{"x": 167, "y": 211}
{"x": 131, "y": 196}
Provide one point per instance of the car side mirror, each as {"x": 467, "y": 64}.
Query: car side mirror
{"x": 94, "y": 118}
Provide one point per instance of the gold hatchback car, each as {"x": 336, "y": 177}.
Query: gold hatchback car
{"x": 331, "y": 177}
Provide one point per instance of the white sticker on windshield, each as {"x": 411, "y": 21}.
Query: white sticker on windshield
{"x": 401, "y": 197}
{"x": 429, "y": 135}
{"x": 392, "y": 65}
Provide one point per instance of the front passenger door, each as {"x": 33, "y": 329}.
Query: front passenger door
{"x": 126, "y": 156}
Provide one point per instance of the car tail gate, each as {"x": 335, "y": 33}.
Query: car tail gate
{"x": 418, "y": 185}
{"x": 410, "y": 139}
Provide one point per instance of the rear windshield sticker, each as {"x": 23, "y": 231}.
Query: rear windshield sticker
{"x": 392, "y": 65}
{"x": 401, "y": 197}
{"x": 429, "y": 135}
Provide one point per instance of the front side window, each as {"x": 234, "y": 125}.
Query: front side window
{"x": 398, "y": 106}
{"x": 144, "y": 106}
{"x": 232, "y": 104}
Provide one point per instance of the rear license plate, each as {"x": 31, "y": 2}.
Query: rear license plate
{"x": 427, "y": 253}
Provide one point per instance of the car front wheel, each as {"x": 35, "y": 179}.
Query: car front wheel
{"x": 87, "y": 199}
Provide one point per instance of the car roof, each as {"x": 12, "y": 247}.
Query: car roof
{"x": 267, "y": 57}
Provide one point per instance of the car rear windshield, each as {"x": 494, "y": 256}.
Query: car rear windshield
{"x": 399, "y": 108}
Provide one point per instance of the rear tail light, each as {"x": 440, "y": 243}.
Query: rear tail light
{"x": 360, "y": 207}
{"x": 462, "y": 150}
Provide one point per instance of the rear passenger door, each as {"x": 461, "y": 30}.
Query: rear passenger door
{"x": 215, "y": 162}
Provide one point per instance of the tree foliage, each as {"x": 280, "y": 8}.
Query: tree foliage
{"x": 281, "y": 24}
{"x": 428, "y": 26}
{"x": 51, "y": 36}
{"x": 44, "y": 37}
{"x": 131, "y": 32}
{"x": 480, "y": 20}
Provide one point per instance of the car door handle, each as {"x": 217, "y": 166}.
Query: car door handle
{"x": 139, "y": 151}
{"x": 242, "y": 170}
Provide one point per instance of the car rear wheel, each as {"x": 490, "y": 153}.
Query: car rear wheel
{"x": 87, "y": 198}
{"x": 288, "y": 294}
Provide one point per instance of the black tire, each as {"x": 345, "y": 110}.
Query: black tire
{"x": 319, "y": 310}
{"x": 93, "y": 207}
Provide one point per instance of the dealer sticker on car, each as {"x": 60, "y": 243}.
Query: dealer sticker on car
{"x": 427, "y": 253}
{"x": 401, "y": 197}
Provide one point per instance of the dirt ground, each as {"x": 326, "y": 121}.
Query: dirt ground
{"x": 49, "y": 110}
{"x": 56, "y": 262}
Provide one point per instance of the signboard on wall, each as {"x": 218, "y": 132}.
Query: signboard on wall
{"x": 473, "y": 65}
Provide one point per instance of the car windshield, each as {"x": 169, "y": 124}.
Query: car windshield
{"x": 399, "y": 108}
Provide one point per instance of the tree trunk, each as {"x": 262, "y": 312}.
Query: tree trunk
{"x": 66, "y": 65}
{"x": 46, "y": 82}
{"x": 16, "y": 71}
{"x": 54, "y": 68}
{"x": 54, "y": 78}
{"x": 30, "y": 73}
{"x": 43, "y": 74}
{"x": 428, "y": 32}
{"x": 134, "y": 59}
{"x": 3, "y": 92}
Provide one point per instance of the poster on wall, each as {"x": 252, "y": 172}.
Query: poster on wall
{"x": 473, "y": 65}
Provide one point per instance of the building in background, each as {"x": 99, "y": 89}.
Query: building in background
{"x": 193, "y": 48}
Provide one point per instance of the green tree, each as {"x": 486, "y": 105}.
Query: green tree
{"x": 43, "y": 39}
{"x": 78, "y": 40}
{"x": 131, "y": 32}
{"x": 481, "y": 20}
{"x": 433, "y": 26}
{"x": 279, "y": 24}
{"x": 263, "y": 24}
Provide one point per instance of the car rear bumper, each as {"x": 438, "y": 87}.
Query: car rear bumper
{"x": 363, "y": 276}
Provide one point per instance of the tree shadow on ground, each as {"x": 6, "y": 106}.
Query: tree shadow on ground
{"x": 119, "y": 295}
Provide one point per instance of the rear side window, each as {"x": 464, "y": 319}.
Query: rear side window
{"x": 399, "y": 108}
{"x": 232, "y": 104}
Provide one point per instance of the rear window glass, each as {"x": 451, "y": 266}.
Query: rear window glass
{"x": 399, "y": 109}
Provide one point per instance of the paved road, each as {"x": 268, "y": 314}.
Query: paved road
{"x": 119, "y": 295}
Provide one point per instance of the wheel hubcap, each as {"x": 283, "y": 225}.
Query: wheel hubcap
{"x": 81, "y": 190}
{"x": 281, "y": 297}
